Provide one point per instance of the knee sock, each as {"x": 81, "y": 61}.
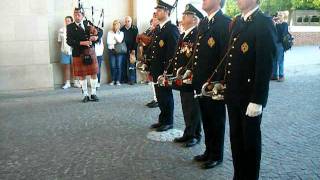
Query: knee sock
{"x": 84, "y": 87}
{"x": 93, "y": 83}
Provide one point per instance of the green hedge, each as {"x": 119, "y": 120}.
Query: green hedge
{"x": 272, "y": 6}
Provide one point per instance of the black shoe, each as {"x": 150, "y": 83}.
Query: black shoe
{"x": 181, "y": 139}
{"x": 85, "y": 99}
{"x": 201, "y": 158}
{"x": 164, "y": 128}
{"x": 151, "y": 102}
{"x": 154, "y": 105}
{"x": 192, "y": 142}
{"x": 210, "y": 164}
{"x": 155, "y": 125}
{"x": 94, "y": 98}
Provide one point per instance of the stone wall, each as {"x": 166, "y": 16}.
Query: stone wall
{"x": 306, "y": 38}
{"x": 24, "y": 45}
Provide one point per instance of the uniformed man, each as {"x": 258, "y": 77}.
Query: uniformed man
{"x": 190, "y": 105}
{"x": 162, "y": 51}
{"x": 211, "y": 45}
{"x": 249, "y": 65}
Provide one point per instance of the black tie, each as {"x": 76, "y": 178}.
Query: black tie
{"x": 80, "y": 26}
{"x": 206, "y": 21}
{"x": 182, "y": 35}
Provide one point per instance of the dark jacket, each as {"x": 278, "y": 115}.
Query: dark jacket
{"x": 211, "y": 46}
{"x": 282, "y": 30}
{"x": 76, "y": 34}
{"x": 184, "y": 55}
{"x": 130, "y": 37}
{"x": 163, "y": 48}
{"x": 249, "y": 63}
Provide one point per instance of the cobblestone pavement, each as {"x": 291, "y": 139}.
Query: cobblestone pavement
{"x": 52, "y": 135}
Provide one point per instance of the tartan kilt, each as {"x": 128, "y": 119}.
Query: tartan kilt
{"x": 80, "y": 69}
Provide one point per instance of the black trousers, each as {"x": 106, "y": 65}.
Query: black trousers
{"x": 213, "y": 115}
{"x": 245, "y": 137}
{"x": 166, "y": 105}
{"x": 191, "y": 114}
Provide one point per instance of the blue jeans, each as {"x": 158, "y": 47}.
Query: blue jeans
{"x": 116, "y": 61}
{"x": 131, "y": 70}
{"x": 100, "y": 59}
{"x": 277, "y": 68}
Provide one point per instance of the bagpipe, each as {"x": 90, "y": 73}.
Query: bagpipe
{"x": 144, "y": 43}
{"x": 93, "y": 10}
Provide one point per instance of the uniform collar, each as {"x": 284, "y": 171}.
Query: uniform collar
{"x": 246, "y": 16}
{"x": 186, "y": 32}
{"x": 164, "y": 23}
{"x": 213, "y": 14}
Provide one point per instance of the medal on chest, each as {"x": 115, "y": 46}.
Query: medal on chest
{"x": 211, "y": 42}
{"x": 244, "y": 47}
{"x": 161, "y": 43}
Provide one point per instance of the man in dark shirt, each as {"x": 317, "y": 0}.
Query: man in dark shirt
{"x": 130, "y": 33}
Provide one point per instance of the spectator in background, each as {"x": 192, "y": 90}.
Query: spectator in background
{"x": 130, "y": 33}
{"x": 66, "y": 54}
{"x": 99, "y": 47}
{"x": 282, "y": 30}
{"x": 116, "y": 60}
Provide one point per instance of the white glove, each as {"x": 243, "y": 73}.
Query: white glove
{"x": 254, "y": 110}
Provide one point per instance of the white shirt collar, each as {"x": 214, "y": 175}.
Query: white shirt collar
{"x": 213, "y": 14}
{"x": 186, "y": 32}
{"x": 80, "y": 24}
{"x": 162, "y": 24}
{"x": 245, "y": 16}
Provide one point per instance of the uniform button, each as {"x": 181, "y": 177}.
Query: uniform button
{"x": 197, "y": 50}
{"x": 152, "y": 51}
{"x": 175, "y": 58}
{"x": 175, "y": 63}
{"x": 229, "y": 64}
{"x": 200, "y": 37}
{"x": 156, "y": 36}
{"x": 155, "y": 41}
{"x": 232, "y": 47}
{"x": 196, "y": 57}
{"x": 198, "y": 44}
{"x": 230, "y": 55}
{"x": 234, "y": 39}
{"x": 151, "y": 56}
{"x": 228, "y": 72}
{"x": 249, "y": 80}
{"x": 195, "y": 63}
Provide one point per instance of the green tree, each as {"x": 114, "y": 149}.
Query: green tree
{"x": 232, "y": 8}
{"x": 306, "y": 4}
{"x": 271, "y": 7}
{"x": 268, "y": 6}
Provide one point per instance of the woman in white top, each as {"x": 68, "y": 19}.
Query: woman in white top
{"x": 115, "y": 36}
{"x": 99, "y": 47}
{"x": 66, "y": 53}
